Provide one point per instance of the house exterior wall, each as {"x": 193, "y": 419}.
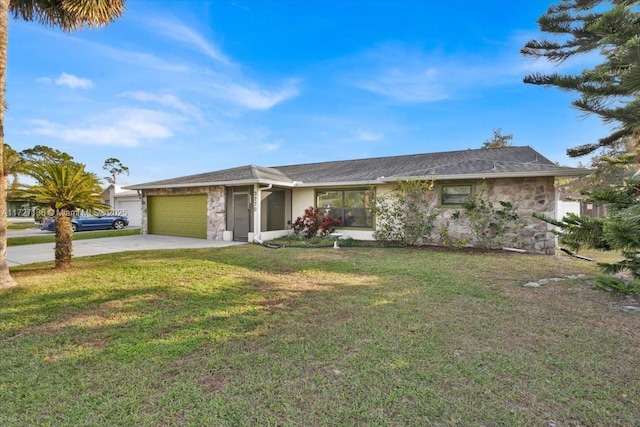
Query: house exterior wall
{"x": 216, "y": 205}
{"x": 528, "y": 195}
{"x": 264, "y": 208}
{"x": 305, "y": 197}
{"x": 301, "y": 199}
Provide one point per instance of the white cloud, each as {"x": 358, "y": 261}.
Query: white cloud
{"x": 182, "y": 33}
{"x": 44, "y": 80}
{"x": 407, "y": 85}
{"x": 166, "y": 100}
{"x": 73, "y": 82}
{"x": 119, "y": 127}
{"x": 411, "y": 75}
{"x": 363, "y": 135}
{"x": 401, "y": 73}
{"x": 270, "y": 147}
{"x": 252, "y": 97}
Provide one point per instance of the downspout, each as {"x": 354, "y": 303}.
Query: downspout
{"x": 259, "y": 197}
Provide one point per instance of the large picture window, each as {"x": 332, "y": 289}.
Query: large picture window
{"x": 455, "y": 195}
{"x": 352, "y": 206}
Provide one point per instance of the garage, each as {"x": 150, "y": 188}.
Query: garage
{"x": 130, "y": 209}
{"x": 184, "y": 215}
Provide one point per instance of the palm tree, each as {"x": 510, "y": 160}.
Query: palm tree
{"x": 11, "y": 165}
{"x": 65, "y": 188}
{"x": 68, "y": 15}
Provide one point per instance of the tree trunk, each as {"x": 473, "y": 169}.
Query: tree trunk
{"x": 64, "y": 242}
{"x": 6, "y": 281}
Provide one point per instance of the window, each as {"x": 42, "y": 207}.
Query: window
{"x": 352, "y": 207}
{"x": 455, "y": 195}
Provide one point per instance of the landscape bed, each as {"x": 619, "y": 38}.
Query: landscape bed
{"x": 249, "y": 336}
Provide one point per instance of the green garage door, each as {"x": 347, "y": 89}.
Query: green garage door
{"x": 178, "y": 215}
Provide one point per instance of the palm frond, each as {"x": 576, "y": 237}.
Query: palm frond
{"x": 68, "y": 14}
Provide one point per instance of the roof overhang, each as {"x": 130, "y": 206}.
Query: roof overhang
{"x": 557, "y": 173}
{"x": 233, "y": 183}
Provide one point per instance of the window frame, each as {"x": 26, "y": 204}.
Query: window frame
{"x": 444, "y": 185}
{"x": 367, "y": 209}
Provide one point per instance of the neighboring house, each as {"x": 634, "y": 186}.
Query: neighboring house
{"x": 124, "y": 202}
{"x": 18, "y": 208}
{"x": 573, "y": 203}
{"x": 250, "y": 202}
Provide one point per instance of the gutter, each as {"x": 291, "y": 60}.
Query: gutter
{"x": 558, "y": 173}
{"x": 561, "y": 173}
{"x": 210, "y": 184}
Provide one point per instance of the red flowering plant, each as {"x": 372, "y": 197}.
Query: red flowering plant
{"x": 313, "y": 224}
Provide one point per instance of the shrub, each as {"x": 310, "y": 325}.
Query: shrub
{"x": 403, "y": 215}
{"x": 312, "y": 224}
{"x": 618, "y": 286}
{"x": 489, "y": 224}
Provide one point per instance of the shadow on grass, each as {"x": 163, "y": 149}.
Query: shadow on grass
{"x": 252, "y": 336}
{"x": 139, "y": 306}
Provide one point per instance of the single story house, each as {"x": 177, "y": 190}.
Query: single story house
{"x": 248, "y": 202}
{"x": 124, "y": 202}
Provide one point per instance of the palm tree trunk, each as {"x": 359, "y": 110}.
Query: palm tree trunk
{"x": 6, "y": 281}
{"x": 64, "y": 242}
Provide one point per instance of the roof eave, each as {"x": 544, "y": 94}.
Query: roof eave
{"x": 300, "y": 184}
{"x": 558, "y": 173}
{"x": 237, "y": 182}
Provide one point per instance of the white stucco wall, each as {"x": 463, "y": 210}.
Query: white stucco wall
{"x": 565, "y": 207}
{"x": 301, "y": 200}
{"x": 305, "y": 197}
{"x": 131, "y": 207}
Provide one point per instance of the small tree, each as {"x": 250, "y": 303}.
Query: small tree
{"x": 12, "y": 165}
{"x": 499, "y": 140}
{"x": 403, "y": 215}
{"x": 115, "y": 168}
{"x": 42, "y": 152}
{"x": 64, "y": 188}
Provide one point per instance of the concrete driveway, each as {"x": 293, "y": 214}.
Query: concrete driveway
{"x": 43, "y": 252}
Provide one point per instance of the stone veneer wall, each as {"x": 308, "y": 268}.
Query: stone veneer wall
{"x": 527, "y": 195}
{"x": 216, "y": 206}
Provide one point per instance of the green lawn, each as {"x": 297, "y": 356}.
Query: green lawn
{"x": 49, "y": 237}
{"x": 250, "y": 336}
{"x": 21, "y": 225}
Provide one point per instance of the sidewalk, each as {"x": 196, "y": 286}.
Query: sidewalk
{"x": 43, "y": 252}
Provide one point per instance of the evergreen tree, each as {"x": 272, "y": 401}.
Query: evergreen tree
{"x": 499, "y": 140}
{"x": 115, "y": 168}
{"x": 610, "y": 89}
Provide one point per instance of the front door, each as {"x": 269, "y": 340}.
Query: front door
{"x": 275, "y": 211}
{"x": 241, "y": 217}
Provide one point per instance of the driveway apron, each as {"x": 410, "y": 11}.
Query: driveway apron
{"x": 43, "y": 252}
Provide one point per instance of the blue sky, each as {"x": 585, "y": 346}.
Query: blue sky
{"x": 182, "y": 87}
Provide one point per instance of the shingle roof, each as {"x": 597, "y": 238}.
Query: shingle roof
{"x": 494, "y": 162}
